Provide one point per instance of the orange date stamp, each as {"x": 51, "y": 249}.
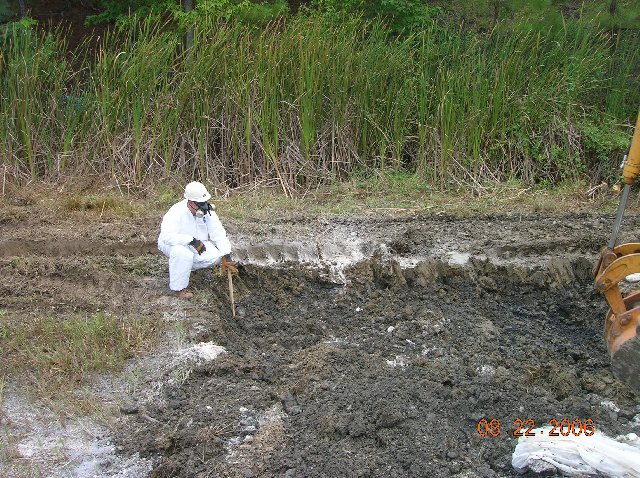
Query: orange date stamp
{"x": 564, "y": 427}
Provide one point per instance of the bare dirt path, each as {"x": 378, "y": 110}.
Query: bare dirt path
{"x": 363, "y": 346}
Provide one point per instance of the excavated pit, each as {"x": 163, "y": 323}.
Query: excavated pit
{"x": 360, "y": 347}
{"x": 387, "y": 374}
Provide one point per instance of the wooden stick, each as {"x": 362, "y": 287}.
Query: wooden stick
{"x": 233, "y": 304}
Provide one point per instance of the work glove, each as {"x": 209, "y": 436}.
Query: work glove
{"x": 227, "y": 263}
{"x": 198, "y": 245}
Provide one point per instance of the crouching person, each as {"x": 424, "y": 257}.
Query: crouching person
{"x": 192, "y": 237}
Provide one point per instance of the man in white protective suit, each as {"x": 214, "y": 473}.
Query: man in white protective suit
{"x": 192, "y": 237}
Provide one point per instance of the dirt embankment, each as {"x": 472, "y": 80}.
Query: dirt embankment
{"x": 362, "y": 347}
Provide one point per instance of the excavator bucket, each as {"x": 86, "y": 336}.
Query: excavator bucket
{"x": 625, "y": 354}
{"x": 622, "y": 326}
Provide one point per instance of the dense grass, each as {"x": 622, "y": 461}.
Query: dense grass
{"x": 308, "y": 100}
{"x": 55, "y": 354}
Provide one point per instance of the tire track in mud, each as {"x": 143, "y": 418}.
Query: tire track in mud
{"x": 77, "y": 247}
{"x": 41, "y": 283}
{"x": 500, "y": 236}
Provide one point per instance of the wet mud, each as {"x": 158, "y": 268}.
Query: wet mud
{"x": 387, "y": 376}
{"x": 361, "y": 346}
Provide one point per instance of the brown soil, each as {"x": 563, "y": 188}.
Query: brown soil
{"x": 362, "y": 347}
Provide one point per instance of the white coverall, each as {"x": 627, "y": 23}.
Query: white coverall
{"x": 178, "y": 229}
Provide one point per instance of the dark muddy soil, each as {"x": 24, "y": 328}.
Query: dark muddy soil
{"x": 361, "y": 347}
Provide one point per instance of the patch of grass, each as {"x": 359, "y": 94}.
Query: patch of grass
{"x": 393, "y": 192}
{"x": 138, "y": 266}
{"x": 165, "y": 198}
{"x": 399, "y": 193}
{"x": 144, "y": 266}
{"x": 56, "y": 354}
{"x": 19, "y": 263}
{"x": 99, "y": 204}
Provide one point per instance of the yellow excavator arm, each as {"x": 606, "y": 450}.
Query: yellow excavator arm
{"x": 622, "y": 325}
{"x": 632, "y": 164}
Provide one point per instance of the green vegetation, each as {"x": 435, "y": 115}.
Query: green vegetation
{"x": 5, "y": 11}
{"x": 55, "y": 354}
{"x": 320, "y": 97}
{"x": 98, "y": 203}
{"x": 398, "y": 14}
{"x": 393, "y": 194}
{"x": 126, "y": 12}
{"x": 377, "y": 193}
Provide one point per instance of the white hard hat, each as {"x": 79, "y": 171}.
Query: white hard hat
{"x": 196, "y": 191}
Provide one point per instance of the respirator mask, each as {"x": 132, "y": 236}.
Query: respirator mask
{"x": 203, "y": 208}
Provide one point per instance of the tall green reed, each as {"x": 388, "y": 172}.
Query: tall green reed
{"x": 305, "y": 100}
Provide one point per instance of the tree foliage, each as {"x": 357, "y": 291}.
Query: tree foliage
{"x": 399, "y": 14}
{"x": 6, "y": 11}
{"x": 122, "y": 11}
{"x": 115, "y": 10}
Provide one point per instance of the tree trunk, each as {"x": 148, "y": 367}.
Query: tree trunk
{"x": 23, "y": 8}
{"x": 188, "y": 6}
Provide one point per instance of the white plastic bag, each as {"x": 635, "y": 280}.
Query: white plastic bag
{"x": 579, "y": 455}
